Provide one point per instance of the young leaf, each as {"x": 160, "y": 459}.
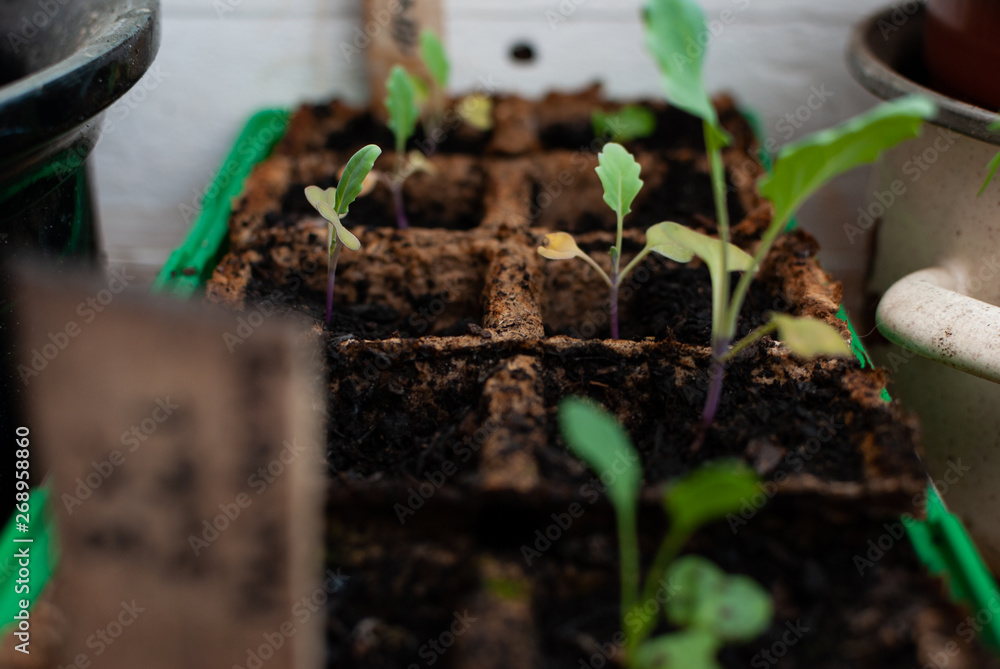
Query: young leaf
{"x": 810, "y": 338}
{"x": 691, "y": 649}
{"x": 691, "y": 580}
{"x": 709, "y": 493}
{"x": 669, "y": 234}
{"x": 433, "y": 54}
{"x": 353, "y": 179}
{"x": 802, "y": 167}
{"x": 400, "y": 101}
{"x": 596, "y": 438}
{"x": 628, "y": 123}
{"x": 345, "y": 236}
{"x": 738, "y": 609}
{"x": 619, "y": 173}
{"x": 673, "y": 31}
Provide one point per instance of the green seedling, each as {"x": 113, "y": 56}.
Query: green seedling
{"x": 801, "y": 169}
{"x": 709, "y": 607}
{"x": 401, "y": 103}
{"x": 432, "y": 95}
{"x": 333, "y": 203}
{"x": 628, "y": 123}
{"x": 619, "y": 174}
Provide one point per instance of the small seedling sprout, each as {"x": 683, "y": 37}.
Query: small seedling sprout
{"x": 628, "y": 123}
{"x": 801, "y": 169}
{"x": 619, "y": 174}
{"x": 710, "y": 608}
{"x": 432, "y": 95}
{"x": 401, "y": 103}
{"x": 333, "y": 203}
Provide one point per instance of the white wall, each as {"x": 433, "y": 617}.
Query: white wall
{"x": 222, "y": 59}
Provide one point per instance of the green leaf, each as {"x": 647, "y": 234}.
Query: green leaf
{"x": 691, "y": 580}
{"x": 710, "y": 492}
{"x": 435, "y": 58}
{"x": 809, "y": 337}
{"x": 669, "y": 235}
{"x": 43, "y": 552}
{"x": 803, "y": 167}
{"x": 674, "y": 29}
{"x": 596, "y": 438}
{"x": 400, "y": 101}
{"x": 619, "y": 173}
{"x": 738, "y": 609}
{"x": 345, "y": 236}
{"x": 992, "y": 167}
{"x": 628, "y": 123}
{"x": 352, "y": 180}
{"x": 421, "y": 88}
{"x": 691, "y": 649}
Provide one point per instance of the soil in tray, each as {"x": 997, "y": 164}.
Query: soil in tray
{"x": 444, "y": 369}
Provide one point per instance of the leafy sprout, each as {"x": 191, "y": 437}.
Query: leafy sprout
{"x": 628, "y": 123}
{"x": 401, "y": 103}
{"x": 475, "y": 109}
{"x": 801, "y": 169}
{"x": 619, "y": 174}
{"x": 710, "y": 607}
{"x": 333, "y": 205}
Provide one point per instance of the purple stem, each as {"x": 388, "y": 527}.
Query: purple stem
{"x": 397, "y": 198}
{"x": 614, "y": 313}
{"x": 331, "y": 276}
{"x": 714, "y": 397}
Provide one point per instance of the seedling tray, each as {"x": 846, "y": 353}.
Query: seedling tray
{"x": 519, "y": 320}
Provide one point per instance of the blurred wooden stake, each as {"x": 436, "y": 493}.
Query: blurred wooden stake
{"x": 394, "y": 27}
{"x": 187, "y": 476}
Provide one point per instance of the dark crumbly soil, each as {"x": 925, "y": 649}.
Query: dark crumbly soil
{"x": 452, "y": 344}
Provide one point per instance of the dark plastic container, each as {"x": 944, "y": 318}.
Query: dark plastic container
{"x": 62, "y": 63}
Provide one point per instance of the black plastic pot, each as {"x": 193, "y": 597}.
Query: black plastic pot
{"x": 62, "y": 63}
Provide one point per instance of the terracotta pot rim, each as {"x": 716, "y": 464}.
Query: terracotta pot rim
{"x": 874, "y": 62}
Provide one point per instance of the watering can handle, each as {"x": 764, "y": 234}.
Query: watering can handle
{"x": 924, "y": 312}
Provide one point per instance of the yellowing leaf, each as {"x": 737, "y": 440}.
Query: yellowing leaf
{"x": 477, "y": 111}
{"x": 809, "y": 337}
{"x": 559, "y": 246}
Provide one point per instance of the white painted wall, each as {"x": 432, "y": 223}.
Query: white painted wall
{"x": 222, "y": 59}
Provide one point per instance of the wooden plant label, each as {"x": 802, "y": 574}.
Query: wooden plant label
{"x": 390, "y": 35}
{"x": 187, "y": 481}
